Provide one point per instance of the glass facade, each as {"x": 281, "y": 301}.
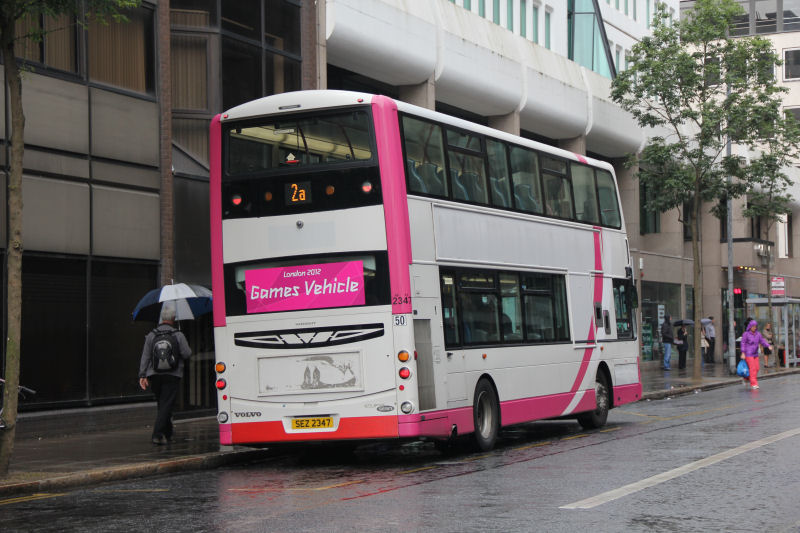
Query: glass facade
{"x": 658, "y": 300}
{"x": 588, "y": 45}
{"x": 762, "y": 16}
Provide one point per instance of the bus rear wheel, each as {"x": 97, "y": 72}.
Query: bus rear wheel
{"x": 597, "y": 418}
{"x": 486, "y": 416}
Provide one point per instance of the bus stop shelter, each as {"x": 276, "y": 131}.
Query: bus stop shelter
{"x": 785, "y": 325}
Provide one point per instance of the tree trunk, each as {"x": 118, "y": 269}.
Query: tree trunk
{"x": 14, "y": 249}
{"x": 697, "y": 295}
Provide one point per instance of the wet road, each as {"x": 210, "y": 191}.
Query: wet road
{"x": 722, "y": 460}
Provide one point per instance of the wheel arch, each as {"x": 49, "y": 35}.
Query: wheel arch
{"x": 603, "y": 369}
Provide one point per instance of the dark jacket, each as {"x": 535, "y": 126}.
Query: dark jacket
{"x": 146, "y": 363}
{"x": 666, "y": 332}
{"x": 684, "y": 338}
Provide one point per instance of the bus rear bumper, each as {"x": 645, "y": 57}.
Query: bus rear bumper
{"x": 367, "y": 427}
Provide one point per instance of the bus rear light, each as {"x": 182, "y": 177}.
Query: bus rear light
{"x": 236, "y": 199}
{"x": 415, "y": 355}
{"x": 221, "y": 384}
{"x": 222, "y": 417}
{"x": 366, "y": 187}
{"x": 405, "y": 373}
{"x": 220, "y": 367}
{"x": 407, "y": 407}
{"x": 402, "y": 387}
{"x": 329, "y": 190}
{"x": 403, "y": 356}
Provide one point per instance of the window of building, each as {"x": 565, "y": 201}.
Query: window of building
{"x": 482, "y": 8}
{"x": 282, "y": 26}
{"x": 496, "y": 11}
{"x": 241, "y": 72}
{"x": 626, "y": 7}
{"x": 794, "y": 112}
{"x": 523, "y": 18}
{"x": 647, "y": 12}
{"x": 123, "y": 54}
{"x": 649, "y": 220}
{"x": 189, "y": 72}
{"x": 468, "y": 5}
{"x": 242, "y": 18}
{"x": 588, "y": 45}
{"x": 510, "y": 15}
{"x": 55, "y": 49}
{"x": 791, "y": 15}
{"x": 686, "y": 218}
{"x": 791, "y": 64}
{"x": 766, "y": 16}
{"x": 547, "y": 29}
{"x": 635, "y": 14}
{"x": 535, "y": 24}
{"x": 783, "y": 229}
{"x": 193, "y": 13}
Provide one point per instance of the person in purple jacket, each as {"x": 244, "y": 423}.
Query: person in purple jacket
{"x": 750, "y": 341}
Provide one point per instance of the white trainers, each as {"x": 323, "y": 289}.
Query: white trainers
{"x": 755, "y": 387}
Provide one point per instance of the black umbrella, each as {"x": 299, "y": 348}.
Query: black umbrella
{"x": 684, "y": 322}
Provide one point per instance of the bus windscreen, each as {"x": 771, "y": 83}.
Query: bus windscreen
{"x": 285, "y": 142}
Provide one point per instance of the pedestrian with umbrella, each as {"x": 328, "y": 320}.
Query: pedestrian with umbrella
{"x": 165, "y": 348}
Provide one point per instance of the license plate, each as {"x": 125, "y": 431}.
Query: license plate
{"x": 319, "y": 422}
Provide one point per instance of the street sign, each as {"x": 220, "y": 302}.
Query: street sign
{"x": 778, "y": 286}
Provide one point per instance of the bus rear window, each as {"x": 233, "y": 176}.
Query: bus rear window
{"x": 286, "y": 141}
{"x": 306, "y": 283}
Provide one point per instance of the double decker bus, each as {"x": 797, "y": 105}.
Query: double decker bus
{"x": 384, "y": 271}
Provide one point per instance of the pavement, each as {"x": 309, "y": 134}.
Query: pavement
{"x": 56, "y": 450}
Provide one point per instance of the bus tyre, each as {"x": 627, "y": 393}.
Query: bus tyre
{"x": 486, "y": 416}
{"x": 597, "y": 418}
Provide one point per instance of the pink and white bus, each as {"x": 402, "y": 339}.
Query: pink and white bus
{"x": 384, "y": 271}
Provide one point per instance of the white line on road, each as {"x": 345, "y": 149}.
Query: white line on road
{"x": 615, "y": 494}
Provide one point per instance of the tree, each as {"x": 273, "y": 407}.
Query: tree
{"x": 698, "y": 89}
{"x": 770, "y": 203}
{"x": 12, "y": 11}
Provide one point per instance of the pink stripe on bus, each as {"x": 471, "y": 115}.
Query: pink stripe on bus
{"x": 395, "y": 204}
{"x": 581, "y": 158}
{"x": 597, "y": 279}
{"x": 215, "y": 204}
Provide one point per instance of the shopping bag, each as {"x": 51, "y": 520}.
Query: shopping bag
{"x": 742, "y": 369}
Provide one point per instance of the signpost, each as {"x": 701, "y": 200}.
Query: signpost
{"x": 778, "y": 286}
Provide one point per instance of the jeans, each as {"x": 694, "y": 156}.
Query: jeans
{"x": 667, "y": 354}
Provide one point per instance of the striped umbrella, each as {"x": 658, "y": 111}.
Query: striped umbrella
{"x": 190, "y": 300}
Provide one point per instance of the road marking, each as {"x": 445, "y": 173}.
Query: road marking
{"x": 615, "y": 494}
{"x": 129, "y": 490}
{"x": 32, "y": 497}
{"x": 609, "y": 430}
{"x": 580, "y": 436}
{"x": 417, "y": 470}
{"x": 295, "y": 489}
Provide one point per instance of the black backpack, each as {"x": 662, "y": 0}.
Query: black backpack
{"x": 165, "y": 354}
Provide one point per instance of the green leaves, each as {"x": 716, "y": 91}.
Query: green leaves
{"x": 699, "y": 88}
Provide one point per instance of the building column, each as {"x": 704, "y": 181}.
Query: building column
{"x": 313, "y": 45}
{"x": 576, "y": 145}
{"x": 508, "y": 123}
{"x": 422, "y": 94}
{"x": 166, "y": 193}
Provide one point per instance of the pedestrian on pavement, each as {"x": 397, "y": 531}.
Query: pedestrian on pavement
{"x": 703, "y": 346}
{"x": 751, "y": 339}
{"x": 682, "y": 344}
{"x": 164, "y": 383}
{"x": 667, "y": 339}
{"x": 711, "y": 336}
{"x": 767, "y": 334}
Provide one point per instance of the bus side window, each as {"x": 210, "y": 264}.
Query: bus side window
{"x": 585, "y": 193}
{"x": 623, "y": 296}
{"x": 526, "y": 180}
{"x": 424, "y": 157}
{"x": 609, "y": 208}
{"x": 511, "y": 308}
{"x": 498, "y": 173}
{"x": 449, "y": 310}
